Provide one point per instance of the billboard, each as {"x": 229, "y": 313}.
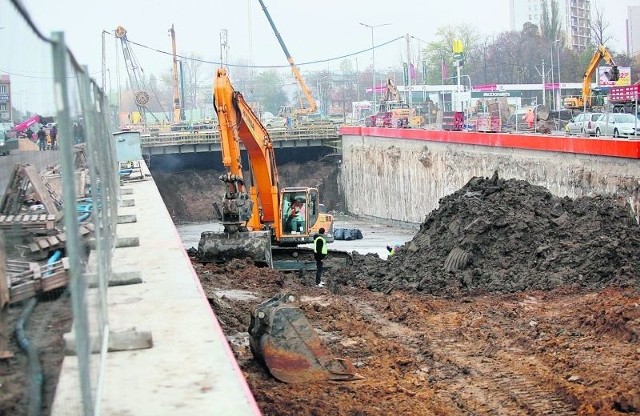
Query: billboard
{"x": 625, "y": 77}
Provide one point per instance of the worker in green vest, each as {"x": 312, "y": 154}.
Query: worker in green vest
{"x": 319, "y": 253}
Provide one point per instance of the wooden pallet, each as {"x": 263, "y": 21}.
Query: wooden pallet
{"x": 34, "y": 279}
{"x": 54, "y": 242}
{"x": 28, "y": 221}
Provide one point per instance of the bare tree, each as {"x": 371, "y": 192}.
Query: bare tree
{"x": 550, "y": 26}
{"x": 599, "y": 27}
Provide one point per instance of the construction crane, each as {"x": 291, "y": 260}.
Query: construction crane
{"x": 296, "y": 72}
{"x": 178, "y": 114}
{"x": 136, "y": 77}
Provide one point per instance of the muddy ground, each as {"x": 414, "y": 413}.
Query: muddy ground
{"x": 508, "y": 301}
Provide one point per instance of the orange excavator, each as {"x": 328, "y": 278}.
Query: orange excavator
{"x": 257, "y": 223}
{"x": 256, "y": 216}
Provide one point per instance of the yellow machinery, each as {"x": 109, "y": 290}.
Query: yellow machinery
{"x": 578, "y": 103}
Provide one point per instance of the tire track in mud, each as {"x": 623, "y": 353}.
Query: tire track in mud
{"x": 499, "y": 381}
{"x": 479, "y": 377}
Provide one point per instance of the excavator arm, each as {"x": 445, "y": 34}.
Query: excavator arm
{"x": 296, "y": 72}
{"x": 255, "y": 207}
{"x": 601, "y": 53}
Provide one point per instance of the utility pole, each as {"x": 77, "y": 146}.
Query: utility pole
{"x": 544, "y": 102}
{"x": 224, "y": 48}
{"x": 409, "y": 98}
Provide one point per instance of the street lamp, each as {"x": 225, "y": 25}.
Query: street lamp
{"x": 373, "y": 51}
{"x": 559, "y": 85}
{"x": 553, "y": 87}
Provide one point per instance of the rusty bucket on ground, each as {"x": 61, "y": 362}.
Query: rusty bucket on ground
{"x": 281, "y": 337}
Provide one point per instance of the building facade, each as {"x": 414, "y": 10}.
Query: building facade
{"x": 575, "y": 18}
{"x": 5, "y": 99}
{"x": 633, "y": 31}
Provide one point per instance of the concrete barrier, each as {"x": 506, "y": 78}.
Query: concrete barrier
{"x": 401, "y": 174}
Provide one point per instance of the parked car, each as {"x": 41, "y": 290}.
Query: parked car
{"x": 583, "y": 123}
{"x": 7, "y": 144}
{"x": 275, "y": 122}
{"x": 316, "y": 118}
{"x": 617, "y": 125}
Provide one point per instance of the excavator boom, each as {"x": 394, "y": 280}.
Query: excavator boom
{"x": 253, "y": 215}
{"x": 601, "y": 53}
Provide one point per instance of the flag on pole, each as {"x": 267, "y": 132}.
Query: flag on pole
{"x": 443, "y": 68}
{"x": 412, "y": 71}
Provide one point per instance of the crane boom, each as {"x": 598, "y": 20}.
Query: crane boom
{"x": 141, "y": 95}
{"x": 296, "y": 72}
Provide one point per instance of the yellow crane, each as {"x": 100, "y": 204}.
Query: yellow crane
{"x": 296, "y": 72}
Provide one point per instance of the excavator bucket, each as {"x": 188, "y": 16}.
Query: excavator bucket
{"x": 220, "y": 247}
{"x": 281, "y": 337}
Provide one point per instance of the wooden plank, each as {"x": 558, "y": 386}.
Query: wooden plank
{"x": 10, "y": 218}
{"x": 40, "y": 189}
{"x": 2, "y": 218}
{"x": 34, "y": 247}
{"x": 53, "y": 240}
{"x": 43, "y": 244}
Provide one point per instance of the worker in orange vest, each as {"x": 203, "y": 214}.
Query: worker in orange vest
{"x": 530, "y": 118}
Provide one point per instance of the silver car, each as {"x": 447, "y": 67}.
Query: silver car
{"x": 583, "y": 123}
{"x": 617, "y": 125}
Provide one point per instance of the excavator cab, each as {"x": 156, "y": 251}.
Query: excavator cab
{"x": 281, "y": 338}
{"x": 298, "y": 215}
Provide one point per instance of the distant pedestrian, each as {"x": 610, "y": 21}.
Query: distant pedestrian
{"x": 42, "y": 139}
{"x": 319, "y": 253}
{"x": 530, "y": 118}
{"x": 53, "y": 133}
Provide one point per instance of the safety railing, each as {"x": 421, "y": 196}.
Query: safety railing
{"x": 178, "y": 138}
{"x": 78, "y": 175}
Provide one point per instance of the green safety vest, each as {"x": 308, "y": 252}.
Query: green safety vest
{"x": 324, "y": 244}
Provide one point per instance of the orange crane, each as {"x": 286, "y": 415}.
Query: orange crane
{"x": 177, "y": 107}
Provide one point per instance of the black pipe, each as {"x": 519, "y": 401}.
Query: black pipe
{"x": 35, "y": 370}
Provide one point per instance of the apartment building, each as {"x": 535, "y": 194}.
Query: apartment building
{"x": 5, "y": 99}
{"x": 575, "y": 16}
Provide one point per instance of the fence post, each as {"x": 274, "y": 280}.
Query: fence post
{"x": 77, "y": 283}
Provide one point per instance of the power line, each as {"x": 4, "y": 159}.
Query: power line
{"x": 268, "y": 66}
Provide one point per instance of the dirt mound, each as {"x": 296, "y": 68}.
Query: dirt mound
{"x": 501, "y": 235}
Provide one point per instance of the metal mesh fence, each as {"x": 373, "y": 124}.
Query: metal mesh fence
{"x": 58, "y": 216}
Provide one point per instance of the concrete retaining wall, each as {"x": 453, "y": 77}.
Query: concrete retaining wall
{"x": 403, "y": 179}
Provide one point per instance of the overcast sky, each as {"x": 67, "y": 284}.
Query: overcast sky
{"x": 312, "y": 30}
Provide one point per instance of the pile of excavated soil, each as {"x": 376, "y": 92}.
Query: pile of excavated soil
{"x": 496, "y": 235}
